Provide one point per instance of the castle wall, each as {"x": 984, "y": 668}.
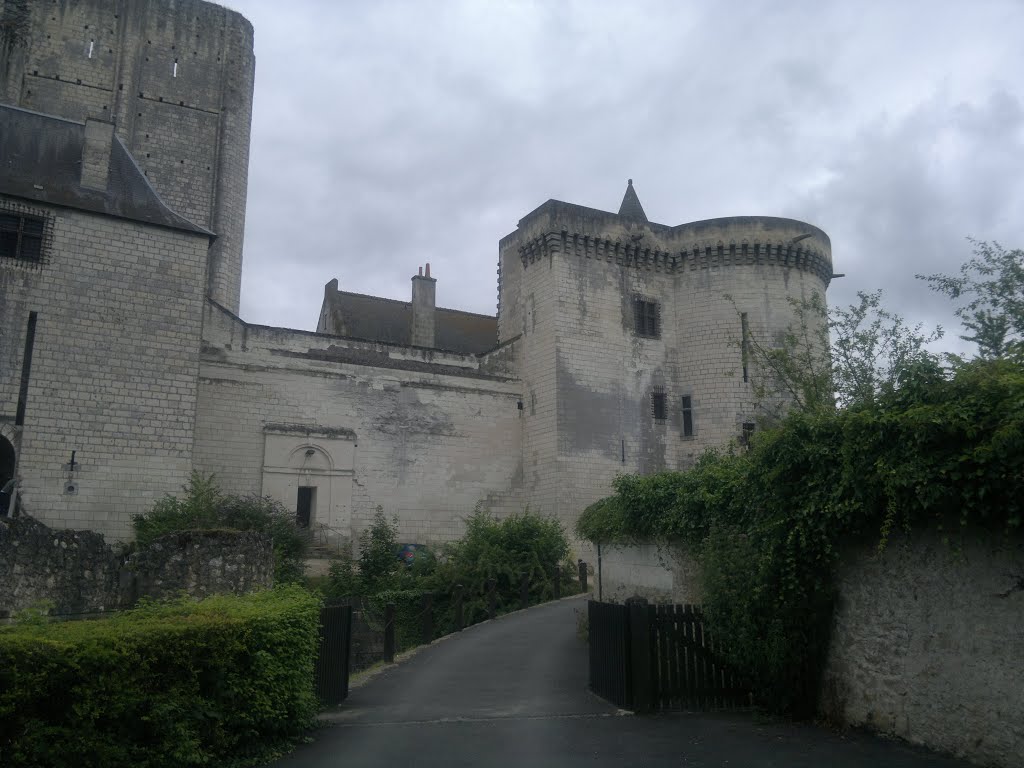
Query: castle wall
{"x": 114, "y": 366}
{"x": 176, "y": 79}
{"x": 424, "y": 434}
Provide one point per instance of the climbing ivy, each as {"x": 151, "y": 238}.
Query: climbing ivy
{"x": 942, "y": 451}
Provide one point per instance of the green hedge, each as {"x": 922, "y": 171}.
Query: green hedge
{"x": 224, "y": 681}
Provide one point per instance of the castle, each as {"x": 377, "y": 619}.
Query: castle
{"x": 619, "y": 344}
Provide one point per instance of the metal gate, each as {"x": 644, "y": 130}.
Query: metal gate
{"x": 332, "y": 662}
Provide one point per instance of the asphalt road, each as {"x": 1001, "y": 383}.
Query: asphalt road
{"x": 513, "y": 692}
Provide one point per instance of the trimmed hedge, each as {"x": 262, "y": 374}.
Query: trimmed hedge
{"x": 224, "y": 681}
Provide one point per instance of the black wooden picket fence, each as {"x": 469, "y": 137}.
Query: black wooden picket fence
{"x": 646, "y": 657}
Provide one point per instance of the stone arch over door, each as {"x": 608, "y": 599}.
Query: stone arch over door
{"x": 309, "y": 470}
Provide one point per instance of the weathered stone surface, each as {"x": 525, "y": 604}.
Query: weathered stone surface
{"x": 661, "y": 573}
{"x": 80, "y": 573}
{"x": 203, "y": 563}
{"x": 928, "y": 645}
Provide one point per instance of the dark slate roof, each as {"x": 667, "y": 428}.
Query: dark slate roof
{"x": 631, "y": 204}
{"x": 41, "y": 160}
{"x": 375, "y": 319}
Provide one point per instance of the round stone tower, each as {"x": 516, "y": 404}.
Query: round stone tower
{"x": 175, "y": 79}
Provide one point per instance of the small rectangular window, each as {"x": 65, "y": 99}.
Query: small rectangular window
{"x": 748, "y": 432}
{"x": 687, "y": 416}
{"x": 21, "y": 237}
{"x": 658, "y": 408}
{"x": 647, "y": 318}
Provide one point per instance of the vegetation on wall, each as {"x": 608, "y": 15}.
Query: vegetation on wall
{"x": 203, "y": 506}
{"x": 224, "y": 681}
{"x": 914, "y": 442}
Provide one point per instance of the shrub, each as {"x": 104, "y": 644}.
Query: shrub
{"x": 204, "y": 507}
{"x": 503, "y": 550}
{"x": 223, "y": 681}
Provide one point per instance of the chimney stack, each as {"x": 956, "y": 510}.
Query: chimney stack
{"x": 423, "y": 297}
{"x": 99, "y": 136}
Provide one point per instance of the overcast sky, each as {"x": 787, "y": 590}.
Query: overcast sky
{"x": 389, "y": 134}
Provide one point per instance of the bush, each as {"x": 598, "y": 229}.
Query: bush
{"x": 204, "y": 507}
{"x": 223, "y": 681}
{"x": 503, "y": 550}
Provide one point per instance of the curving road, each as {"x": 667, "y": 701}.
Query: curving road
{"x": 513, "y": 692}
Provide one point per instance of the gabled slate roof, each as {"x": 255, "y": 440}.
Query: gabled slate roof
{"x": 377, "y": 319}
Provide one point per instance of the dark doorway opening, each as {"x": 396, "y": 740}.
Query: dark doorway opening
{"x": 6, "y": 461}
{"x": 304, "y": 507}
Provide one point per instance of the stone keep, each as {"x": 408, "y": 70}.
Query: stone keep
{"x": 617, "y": 345}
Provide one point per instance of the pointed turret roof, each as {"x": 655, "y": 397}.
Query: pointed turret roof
{"x": 631, "y": 204}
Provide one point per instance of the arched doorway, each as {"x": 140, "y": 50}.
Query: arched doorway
{"x": 6, "y": 460}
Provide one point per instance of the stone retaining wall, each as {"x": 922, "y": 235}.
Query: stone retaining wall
{"x": 79, "y": 573}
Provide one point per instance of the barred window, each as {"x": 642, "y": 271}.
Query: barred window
{"x": 647, "y": 318}
{"x": 658, "y": 406}
{"x": 747, "y": 433}
{"x": 21, "y": 237}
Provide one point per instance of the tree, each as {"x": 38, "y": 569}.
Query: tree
{"x": 843, "y": 356}
{"x": 992, "y": 282}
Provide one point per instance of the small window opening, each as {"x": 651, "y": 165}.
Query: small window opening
{"x": 21, "y": 237}
{"x": 687, "y": 416}
{"x": 658, "y": 408}
{"x": 747, "y": 433}
{"x": 647, "y": 318}
{"x": 744, "y": 349}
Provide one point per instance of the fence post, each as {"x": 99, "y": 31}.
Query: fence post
{"x": 492, "y": 599}
{"x": 583, "y": 576}
{"x": 640, "y": 654}
{"x": 389, "y": 632}
{"x": 427, "y": 627}
{"x": 524, "y": 590}
{"x": 459, "y": 619}
{"x": 557, "y": 590}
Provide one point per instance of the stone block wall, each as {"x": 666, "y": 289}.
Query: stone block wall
{"x": 176, "y": 79}
{"x": 114, "y": 367}
{"x": 928, "y": 645}
{"x": 660, "y": 572}
{"x": 423, "y": 434}
{"x": 80, "y": 573}
{"x": 204, "y": 563}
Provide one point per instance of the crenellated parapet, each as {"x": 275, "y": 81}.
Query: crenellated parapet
{"x": 804, "y": 251}
{"x": 629, "y": 239}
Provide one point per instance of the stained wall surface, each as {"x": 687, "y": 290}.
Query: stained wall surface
{"x": 423, "y": 434}
{"x": 176, "y": 79}
{"x": 114, "y": 366}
